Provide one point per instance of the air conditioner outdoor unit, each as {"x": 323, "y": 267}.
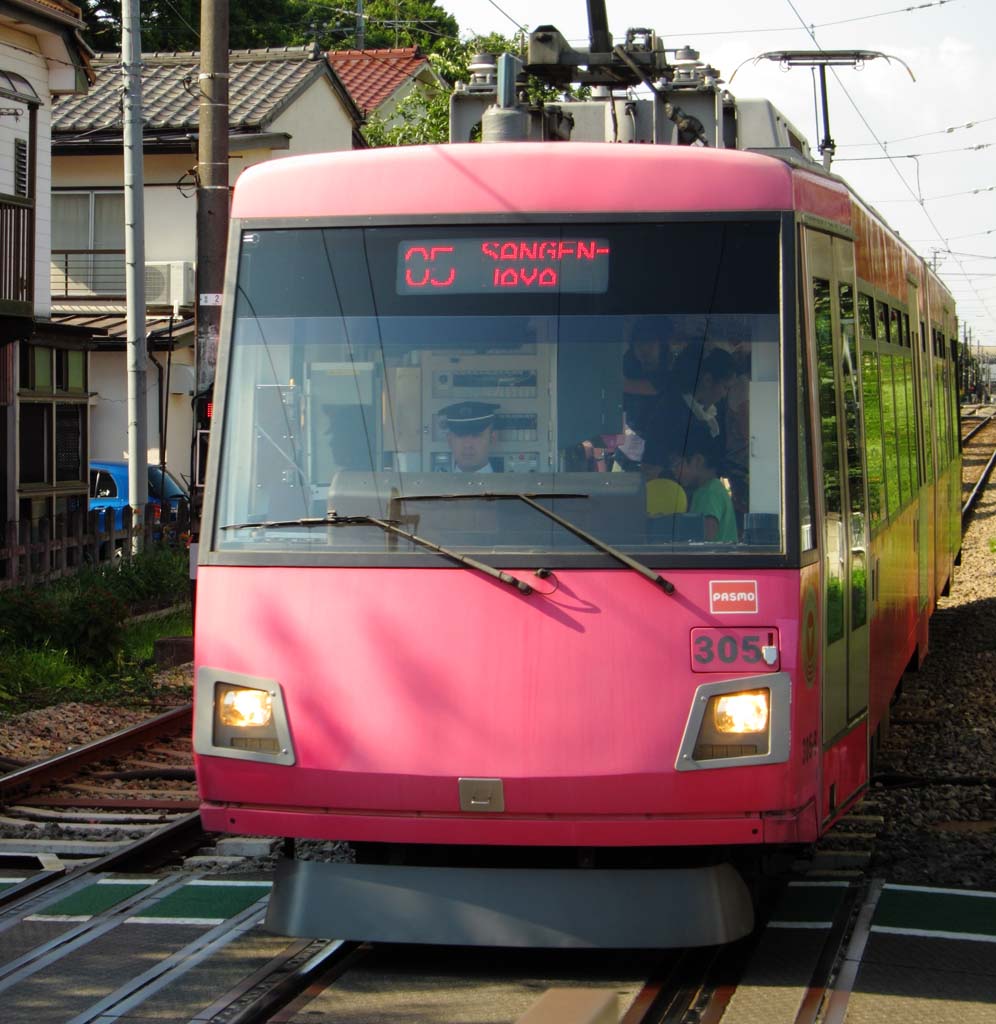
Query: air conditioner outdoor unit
{"x": 169, "y": 283}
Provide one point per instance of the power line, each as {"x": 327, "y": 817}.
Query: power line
{"x": 924, "y": 135}
{"x": 915, "y": 156}
{"x": 921, "y": 202}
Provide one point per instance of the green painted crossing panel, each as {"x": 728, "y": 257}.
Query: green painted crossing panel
{"x": 936, "y": 910}
{"x": 205, "y": 902}
{"x": 808, "y": 903}
{"x": 94, "y": 899}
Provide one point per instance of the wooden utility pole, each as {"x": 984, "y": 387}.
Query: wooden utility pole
{"x": 212, "y": 234}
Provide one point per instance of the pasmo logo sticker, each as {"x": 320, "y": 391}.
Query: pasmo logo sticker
{"x": 726, "y": 596}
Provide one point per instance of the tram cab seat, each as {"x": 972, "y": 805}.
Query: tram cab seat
{"x": 762, "y": 528}
{"x": 610, "y": 506}
{"x": 677, "y": 528}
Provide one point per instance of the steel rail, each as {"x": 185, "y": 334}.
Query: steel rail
{"x": 24, "y": 781}
{"x": 980, "y": 486}
{"x": 978, "y": 426}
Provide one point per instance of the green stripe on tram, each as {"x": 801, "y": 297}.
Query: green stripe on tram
{"x": 911, "y": 909}
{"x": 205, "y": 902}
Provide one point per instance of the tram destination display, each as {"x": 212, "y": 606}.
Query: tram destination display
{"x": 490, "y": 264}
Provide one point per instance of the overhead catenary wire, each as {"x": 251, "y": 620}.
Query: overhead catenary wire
{"x": 918, "y": 198}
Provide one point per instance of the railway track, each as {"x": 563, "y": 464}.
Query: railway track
{"x": 978, "y": 459}
{"x": 122, "y": 802}
{"x": 140, "y": 776}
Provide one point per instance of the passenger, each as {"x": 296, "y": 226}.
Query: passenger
{"x": 697, "y": 470}
{"x": 645, "y": 370}
{"x": 470, "y": 432}
{"x": 697, "y": 396}
{"x": 647, "y": 364}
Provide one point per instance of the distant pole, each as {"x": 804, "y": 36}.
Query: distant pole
{"x": 360, "y": 25}
{"x": 134, "y": 205}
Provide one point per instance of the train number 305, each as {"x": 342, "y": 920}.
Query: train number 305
{"x": 715, "y": 650}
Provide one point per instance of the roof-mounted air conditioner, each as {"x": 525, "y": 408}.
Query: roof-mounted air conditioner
{"x": 169, "y": 283}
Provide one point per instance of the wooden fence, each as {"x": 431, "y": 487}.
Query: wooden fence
{"x": 39, "y": 551}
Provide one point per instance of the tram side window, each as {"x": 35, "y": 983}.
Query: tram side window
{"x": 855, "y": 473}
{"x": 889, "y": 438}
{"x": 807, "y": 536}
{"x": 871, "y": 389}
{"x": 872, "y": 409}
{"x": 909, "y": 425}
{"x": 953, "y": 398}
{"x": 928, "y": 443}
{"x": 830, "y": 458}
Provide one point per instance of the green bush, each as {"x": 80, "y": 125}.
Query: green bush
{"x": 70, "y": 640}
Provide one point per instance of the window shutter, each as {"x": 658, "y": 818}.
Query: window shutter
{"x": 20, "y": 167}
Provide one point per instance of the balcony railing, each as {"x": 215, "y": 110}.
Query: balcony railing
{"x": 88, "y": 274}
{"x": 17, "y": 255}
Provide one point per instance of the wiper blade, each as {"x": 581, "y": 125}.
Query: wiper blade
{"x": 530, "y": 499}
{"x": 388, "y": 526}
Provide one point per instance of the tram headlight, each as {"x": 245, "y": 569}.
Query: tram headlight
{"x": 737, "y": 722}
{"x": 241, "y": 716}
{"x": 244, "y": 708}
{"x": 741, "y": 712}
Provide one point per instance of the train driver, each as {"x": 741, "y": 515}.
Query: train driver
{"x": 470, "y": 431}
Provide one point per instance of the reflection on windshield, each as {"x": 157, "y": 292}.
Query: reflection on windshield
{"x": 352, "y": 395}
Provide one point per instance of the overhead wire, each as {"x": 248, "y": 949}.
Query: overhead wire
{"x": 871, "y": 131}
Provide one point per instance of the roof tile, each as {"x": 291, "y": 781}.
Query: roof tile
{"x": 373, "y": 76}
{"x": 260, "y": 81}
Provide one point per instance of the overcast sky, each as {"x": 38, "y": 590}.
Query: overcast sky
{"x": 939, "y": 188}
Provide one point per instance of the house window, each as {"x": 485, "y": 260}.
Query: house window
{"x": 69, "y": 455}
{"x": 36, "y": 368}
{"x": 36, "y": 443}
{"x": 88, "y": 241}
{"x": 70, "y": 371}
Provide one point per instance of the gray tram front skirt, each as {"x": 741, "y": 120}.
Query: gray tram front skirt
{"x": 510, "y": 906}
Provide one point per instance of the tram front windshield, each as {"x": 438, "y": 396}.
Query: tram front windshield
{"x": 624, "y": 376}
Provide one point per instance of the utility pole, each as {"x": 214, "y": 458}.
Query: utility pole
{"x": 134, "y": 206}
{"x": 360, "y": 25}
{"x": 212, "y": 233}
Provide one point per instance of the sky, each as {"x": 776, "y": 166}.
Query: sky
{"x": 920, "y": 147}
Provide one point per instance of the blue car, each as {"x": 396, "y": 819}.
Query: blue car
{"x": 109, "y": 490}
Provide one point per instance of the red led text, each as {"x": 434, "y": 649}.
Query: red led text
{"x": 423, "y": 266}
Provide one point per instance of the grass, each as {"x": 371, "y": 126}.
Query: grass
{"x": 140, "y": 636}
{"x": 73, "y": 640}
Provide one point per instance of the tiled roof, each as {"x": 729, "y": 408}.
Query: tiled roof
{"x": 261, "y": 84}
{"x": 373, "y": 76}
{"x": 58, "y": 7}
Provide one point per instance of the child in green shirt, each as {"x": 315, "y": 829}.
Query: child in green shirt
{"x": 697, "y": 470}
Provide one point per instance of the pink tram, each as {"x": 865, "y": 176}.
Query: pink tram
{"x": 468, "y": 597}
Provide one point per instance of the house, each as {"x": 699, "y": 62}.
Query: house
{"x": 378, "y": 80}
{"x": 43, "y": 363}
{"x": 282, "y": 102}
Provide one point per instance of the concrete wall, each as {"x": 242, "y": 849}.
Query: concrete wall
{"x": 109, "y": 409}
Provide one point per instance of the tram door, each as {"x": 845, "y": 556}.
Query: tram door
{"x": 832, "y": 337}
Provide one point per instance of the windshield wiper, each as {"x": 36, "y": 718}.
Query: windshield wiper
{"x": 388, "y": 526}
{"x": 600, "y": 545}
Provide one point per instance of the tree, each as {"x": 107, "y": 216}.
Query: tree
{"x": 386, "y": 24}
{"x": 423, "y": 116}
{"x": 174, "y": 25}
